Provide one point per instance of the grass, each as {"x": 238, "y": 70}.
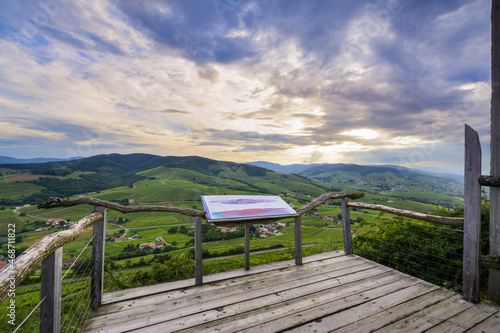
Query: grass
{"x": 7, "y": 217}
{"x": 27, "y": 298}
{"x": 183, "y": 188}
{"x": 17, "y": 190}
{"x": 74, "y": 213}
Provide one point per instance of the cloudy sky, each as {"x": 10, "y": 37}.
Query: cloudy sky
{"x": 368, "y": 82}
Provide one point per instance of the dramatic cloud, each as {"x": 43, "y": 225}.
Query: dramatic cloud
{"x": 375, "y": 82}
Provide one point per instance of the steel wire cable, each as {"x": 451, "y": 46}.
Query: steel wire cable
{"x": 421, "y": 258}
{"x": 29, "y": 314}
{"x": 430, "y": 277}
{"x": 422, "y": 269}
{"x": 78, "y": 257}
{"x": 79, "y": 295}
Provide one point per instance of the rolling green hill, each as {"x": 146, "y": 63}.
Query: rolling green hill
{"x": 188, "y": 177}
{"x": 391, "y": 184}
{"x": 396, "y": 183}
{"x": 152, "y": 178}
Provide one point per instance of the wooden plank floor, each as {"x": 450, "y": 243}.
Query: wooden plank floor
{"x": 330, "y": 292}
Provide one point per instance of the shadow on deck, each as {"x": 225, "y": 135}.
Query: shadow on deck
{"x": 330, "y": 292}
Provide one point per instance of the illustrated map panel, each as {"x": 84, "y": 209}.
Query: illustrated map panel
{"x": 221, "y": 207}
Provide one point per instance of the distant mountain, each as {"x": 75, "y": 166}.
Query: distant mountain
{"x": 451, "y": 173}
{"x": 443, "y": 170}
{"x": 13, "y": 160}
{"x": 104, "y": 172}
{"x": 383, "y": 182}
{"x": 291, "y": 168}
{"x": 117, "y": 163}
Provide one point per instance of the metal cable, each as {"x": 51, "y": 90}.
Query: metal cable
{"x": 78, "y": 257}
{"x": 78, "y": 296}
{"x": 29, "y": 314}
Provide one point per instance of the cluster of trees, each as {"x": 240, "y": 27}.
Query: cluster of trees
{"x": 57, "y": 187}
{"x": 175, "y": 268}
{"x": 159, "y": 258}
{"x": 232, "y": 251}
{"x": 210, "y": 233}
{"x": 63, "y": 171}
{"x": 183, "y": 230}
{"x": 133, "y": 251}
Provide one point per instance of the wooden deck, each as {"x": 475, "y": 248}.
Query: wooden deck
{"x": 330, "y": 292}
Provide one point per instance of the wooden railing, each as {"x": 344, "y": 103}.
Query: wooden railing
{"x": 48, "y": 250}
{"x": 472, "y": 223}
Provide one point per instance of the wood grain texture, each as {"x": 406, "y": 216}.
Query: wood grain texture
{"x": 53, "y": 202}
{"x": 346, "y": 226}
{"x": 490, "y": 261}
{"x": 98, "y": 244}
{"x": 341, "y": 294}
{"x": 247, "y": 247}
{"x": 489, "y": 181}
{"x": 50, "y": 293}
{"x": 494, "y": 274}
{"x": 297, "y": 225}
{"x": 198, "y": 252}
{"x": 328, "y": 196}
{"x": 450, "y": 221}
{"x": 472, "y": 215}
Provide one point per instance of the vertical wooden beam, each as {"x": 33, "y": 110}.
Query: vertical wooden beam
{"x": 247, "y": 247}
{"x": 51, "y": 279}
{"x": 97, "y": 280}
{"x": 346, "y": 225}
{"x": 298, "y": 240}
{"x": 494, "y": 273}
{"x": 472, "y": 215}
{"x": 198, "y": 252}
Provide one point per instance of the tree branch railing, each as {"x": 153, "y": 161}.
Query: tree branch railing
{"x": 53, "y": 202}
{"x": 35, "y": 254}
{"x": 449, "y": 221}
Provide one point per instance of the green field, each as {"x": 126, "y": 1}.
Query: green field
{"x": 17, "y": 190}
{"x": 128, "y": 266}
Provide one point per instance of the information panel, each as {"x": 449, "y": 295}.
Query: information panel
{"x": 231, "y": 207}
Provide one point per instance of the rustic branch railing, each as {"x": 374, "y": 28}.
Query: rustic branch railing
{"x": 450, "y": 221}
{"x": 489, "y": 181}
{"x": 58, "y": 202}
{"x": 327, "y": 196}
{"x": 32, "y": 257}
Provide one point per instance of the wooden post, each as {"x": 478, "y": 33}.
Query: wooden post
{"x": 247, "y": 247}
{"x": 51, "y": 279}
{"x": 472, "y": 215}
{"x": 298, "y": 240}
{"x": 494, "y": 273}
{"x": 97, "y": 280}
{"x": 346, "y": 225}
{"x": 198, "y": 252}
